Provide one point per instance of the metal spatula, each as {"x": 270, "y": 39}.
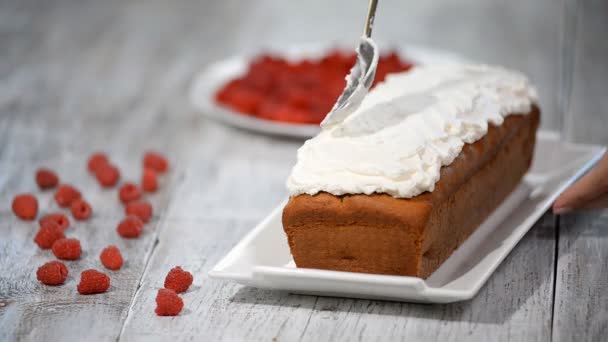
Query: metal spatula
{"x": 361, "y": 74}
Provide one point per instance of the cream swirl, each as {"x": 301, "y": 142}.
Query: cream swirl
{"x": 407, "y": 128}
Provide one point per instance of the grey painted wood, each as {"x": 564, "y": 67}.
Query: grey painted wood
{"x": 32, "y": 311}
{"x": 77, "y": 76}
{"x": 514, "y": 305}
{"x": 581, "y": 301}
{"x": 72, "y": 85}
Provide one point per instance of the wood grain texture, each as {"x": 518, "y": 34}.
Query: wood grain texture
{"x": 33, "y": 311}
{"x": 514, "y": 305}
{"x": 79, "y": 76}
{"x": 581, "y": 300}
{"x": 78, "y": 86}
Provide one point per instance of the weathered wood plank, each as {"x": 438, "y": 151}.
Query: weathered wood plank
{"x": 80, "y": 76}
{"x": 79, "y": 88}
{"x": 515, "y": 304}
{"x": 199, "y": 227}
{"x": 581, "y": 300}
{"x": 33, "y": 311}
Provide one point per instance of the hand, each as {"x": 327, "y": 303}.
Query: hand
{"x": 589, "y": 192}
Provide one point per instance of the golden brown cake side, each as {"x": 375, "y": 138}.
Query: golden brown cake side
{"x": 386, "y": 235}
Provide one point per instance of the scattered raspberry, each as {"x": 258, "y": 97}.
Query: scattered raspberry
{"x": 130, "y": 227}
{"x": 107, "y": 175}
{"x": 25, "y": 206}
{"x": 129, "y": 192}
{"x": 96, "y": 160}
{"x": 156, "y": 161}
{"x": 52, "y": 273}
{"x": 93, "y": 281}
{"x": 66, "y": 194}
{"x": 60, "y": 219}
{"x": 168, "y": 303}
{"x": 178, "y": 280}
{"x": 141, "y": 209}
{"x": 81, "y": 209}
{"x": 48, "y": 234}
{"x": 149, "y": 181}
{"x": 46, "y": 178}
{"x": 67, "y": 249}
{"x": 111, "y": 258}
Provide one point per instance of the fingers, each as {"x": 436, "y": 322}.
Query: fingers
{"x": 593, "y": 186}
{"x": 597, "y": 203}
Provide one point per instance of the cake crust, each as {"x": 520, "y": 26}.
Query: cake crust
{"x": 385, "y": 235}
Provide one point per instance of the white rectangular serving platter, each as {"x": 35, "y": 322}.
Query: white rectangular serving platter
{"x": 262, "y": 258}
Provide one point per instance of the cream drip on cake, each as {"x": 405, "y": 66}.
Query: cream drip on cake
{"x": 407, "y": 128}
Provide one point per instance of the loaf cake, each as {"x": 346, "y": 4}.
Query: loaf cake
{"x": 403, "y": 181}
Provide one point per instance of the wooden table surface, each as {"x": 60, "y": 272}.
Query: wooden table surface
{"x": 82, "y": 76}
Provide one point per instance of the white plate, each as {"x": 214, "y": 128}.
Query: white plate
{"x": 262, "y": 259}
{"x": 214, "y": 76}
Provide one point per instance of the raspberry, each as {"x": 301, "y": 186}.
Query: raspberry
{"x": 25, "y": 206}
{"x": 93, "y": 281}
{"x": 81, "y": 210}
{"x": 111, "y": 258}
{"x": 178, "y": 280}
{"x": 129, "y": 192}
{"x": 48, "y": 234}
{"x": 96, "y": 160}
{"x": 141, "y": 209}
{"x": 149, "y": 181}
{"x": 107, "y": 175}
{"x": 66, "y": 194}
{"x": 130, "y": 227}
{"x": 156, "y": 161}
{"x": 67, "y": 249}
{"x": 52, "y": 273}
{"x": 46, "y": 178}
{"x": 168, "y": 303}
{"x": 60, "y": 219}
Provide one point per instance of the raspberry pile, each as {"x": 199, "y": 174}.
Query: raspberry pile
{"x": 53, "y": 226}
{"x": 300, "y": 92}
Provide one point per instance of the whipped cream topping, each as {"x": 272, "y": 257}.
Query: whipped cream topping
{"x": 407, "y": 128}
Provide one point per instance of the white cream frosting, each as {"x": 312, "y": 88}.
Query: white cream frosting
{"x": 407, "y": 128}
